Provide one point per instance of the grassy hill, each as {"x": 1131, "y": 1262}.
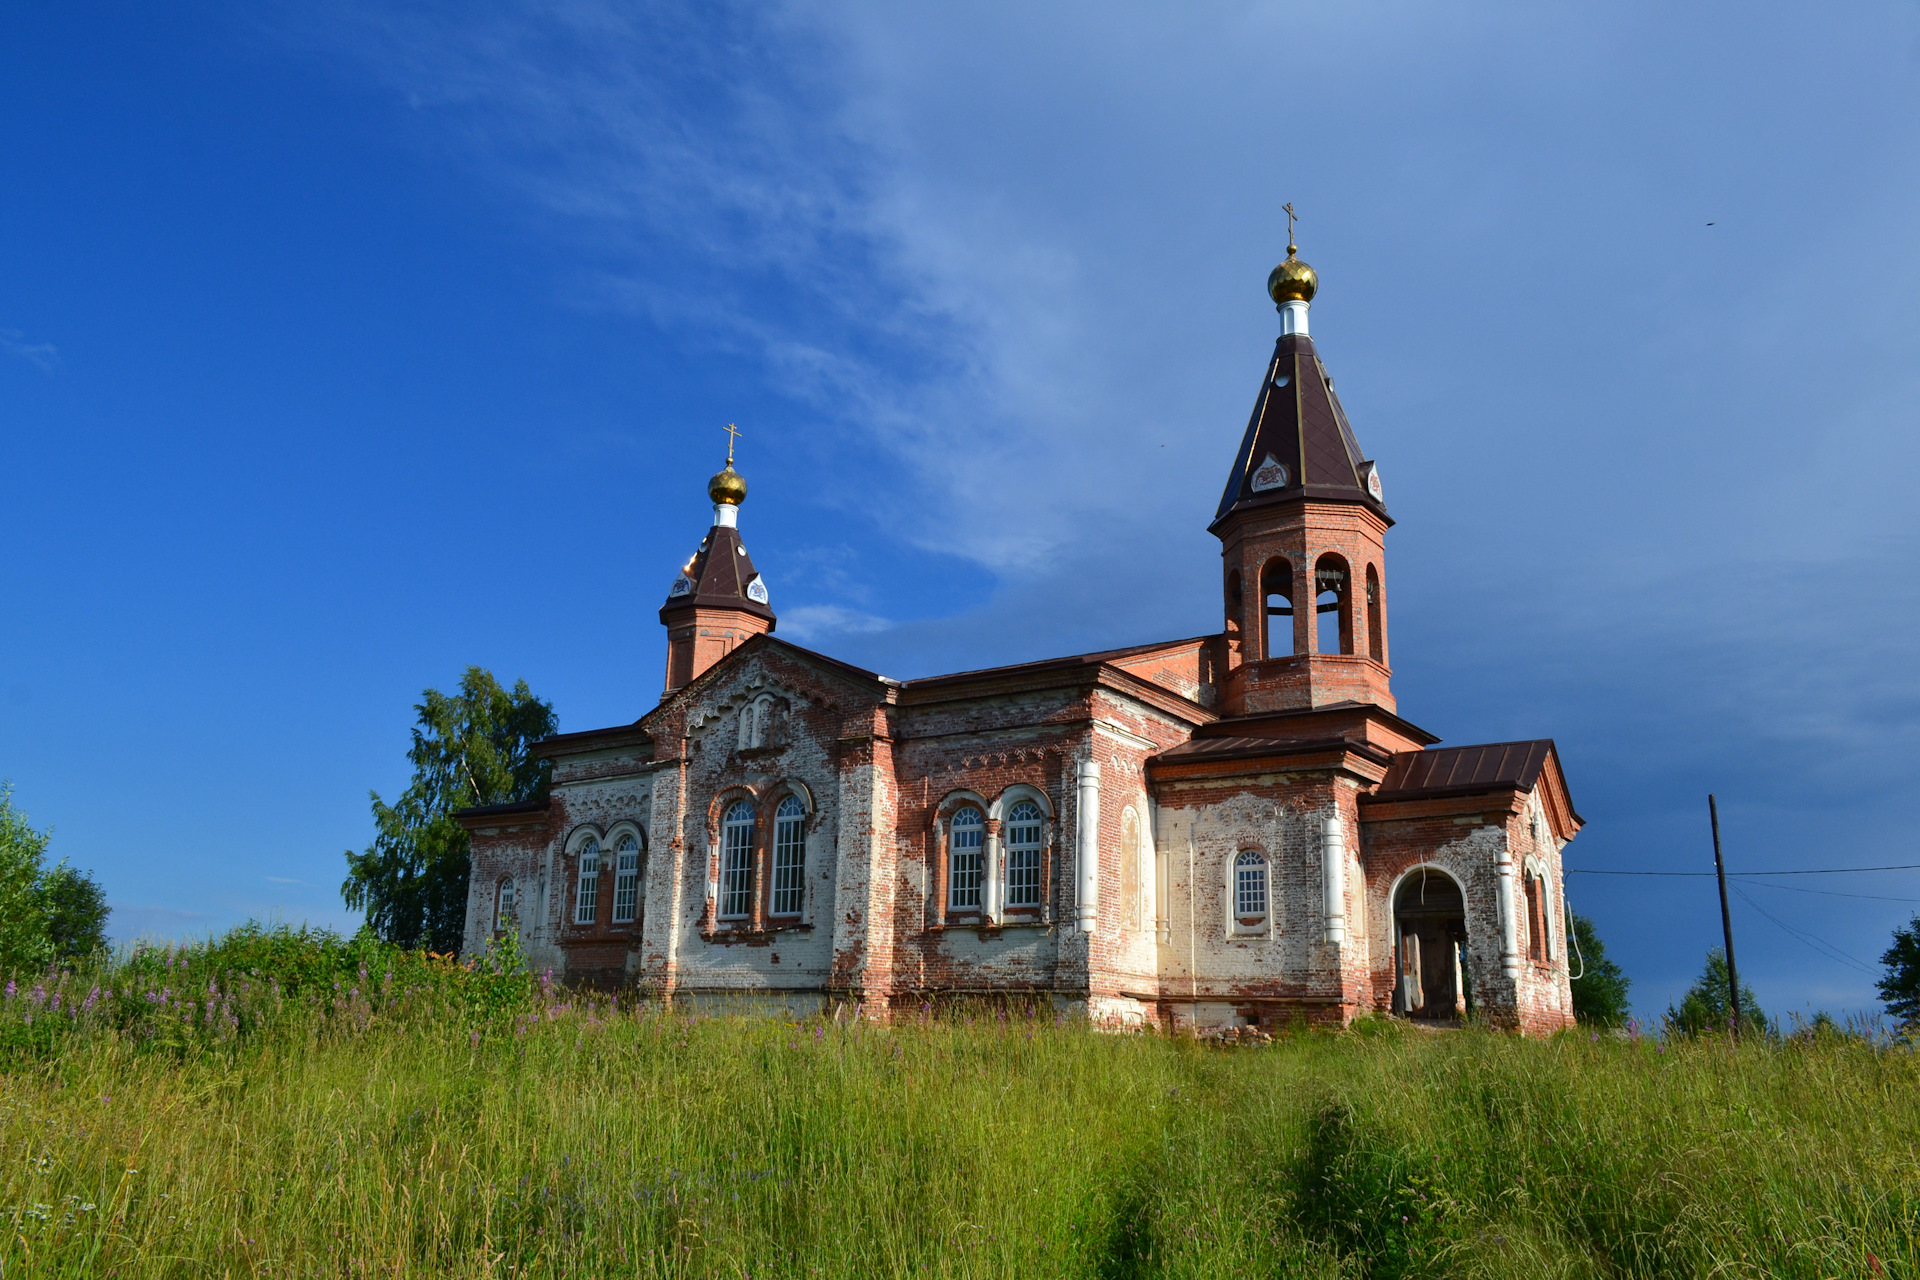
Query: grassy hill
{"x": 280, "y": 1104}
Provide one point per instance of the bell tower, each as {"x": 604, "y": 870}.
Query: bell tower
{"x": 719, "y": 599}
{"x": 1302, "y": 530}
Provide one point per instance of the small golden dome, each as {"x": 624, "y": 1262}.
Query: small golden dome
{"x": 727, "y": 486}
{"x": 1293, "y": 280}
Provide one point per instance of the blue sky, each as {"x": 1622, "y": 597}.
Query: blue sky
{"x": 343, "y": 346}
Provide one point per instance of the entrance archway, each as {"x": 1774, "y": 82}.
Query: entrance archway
{"x": 1432, "y": 981}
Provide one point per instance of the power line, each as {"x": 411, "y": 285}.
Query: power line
{"x": 1740, "y": 875}
{"x": 1831, "y": 893}
{"x": 1820, "y": 945}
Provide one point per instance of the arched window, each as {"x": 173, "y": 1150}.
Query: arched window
{"x": 626, "y": 880}
{"x": 966, "y": 838}
{"x": 1236, "y": 603}
{"x": 1544, "y": 896}
{"x": 1376, "y": 642}
{"x": 1023, "y": 857}
{"x": 503, "y": 916}
{"x": 736, "y": 863}
{"x": 1276, "y": 588}
{"x": 1332, "y": 606}
{"x": 1536, "y": 923}
{"x": 789, "y": 856}
{"x": 586, "y": 898}
{"x": 1250, "y": 889}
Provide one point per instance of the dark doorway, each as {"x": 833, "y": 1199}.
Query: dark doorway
{"x": 1431, "y": 978}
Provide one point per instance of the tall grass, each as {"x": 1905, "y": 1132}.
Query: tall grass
{"x": 448, "y": 1123}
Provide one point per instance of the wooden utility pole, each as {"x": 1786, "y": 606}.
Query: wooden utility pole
{"x": 1726, "y": 919}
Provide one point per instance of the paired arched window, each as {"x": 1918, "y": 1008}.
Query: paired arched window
{"x": 586, "y": 897}
{"x": 736, "y": 862}
{"x": 966, "y": 859}
{"x": 789, "y": 857}
{"x": 626, "y": 880}
{"x": 503, "y": 904}
{"x": 757, "y": 723}
{"x": 1023, "y": 857}
{"x": 1250, "y": 896}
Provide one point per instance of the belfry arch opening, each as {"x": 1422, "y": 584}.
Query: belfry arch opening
{"x": 1376, "y": 639}
{"x": 1333, "y": 605}
{"x": 1236, "y": 606}
{"x": 1276, "y": 591}
{"x": 1432, "y": 979}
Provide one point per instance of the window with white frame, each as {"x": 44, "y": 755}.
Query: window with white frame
{"x": 503, "y": 904}
{"x": 966, "y": 858}
{"x": 1250, "y": 889}
{"x": 789, "y": 856}
{"x": 626, "y": 880}
{"x": 736, "y": 863}
{"x": 586, "y": 898}
{"x": 1023, "y": 856}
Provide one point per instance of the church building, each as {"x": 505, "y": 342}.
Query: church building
{"x": 1228, "y": 829}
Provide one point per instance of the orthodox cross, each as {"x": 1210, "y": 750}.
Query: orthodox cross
{"x": 733, "y": 433}
{"x": 1288, "y": 206}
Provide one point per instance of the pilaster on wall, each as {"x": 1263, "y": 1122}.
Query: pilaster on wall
{"x": 863, "y": 925}
{"x": 666, "y": 917}
{"x": 1087, "y": 845}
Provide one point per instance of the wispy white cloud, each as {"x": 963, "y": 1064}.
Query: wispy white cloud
{"x": 43, "y": 354}
{"x": 748, "y": 172}
{"x": 288, "y": 880}
{"x": 815, "y": 622}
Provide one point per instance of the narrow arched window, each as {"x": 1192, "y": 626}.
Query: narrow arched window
{"x": 586, "y": 898}
{"x": 789, "y": 856}
{"x": 736, "y": 862}
{"x": 966, "y": 841}
{"x": 1545, "y": 897}
{"x": 1535, "y": 949}
{"x": 503, "y": 904}
{"x": 1276, "y": 588}
{"x": 1376, "y": 641}
{"x": 1236, "y": 604}
{"x": 1250, "y": 889}
{"x": 1332, "y": 606}
{"x": 626, "y": 880}
{"x": 1023, "y": 856}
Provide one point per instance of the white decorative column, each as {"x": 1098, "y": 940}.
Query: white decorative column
{"x": 1509, "y": 945}
{"x": 993, "y": 873}
{"x": 1293, "y": 317}
{"x": 1333, "y": 877}
{"x": 1087, "y": 865}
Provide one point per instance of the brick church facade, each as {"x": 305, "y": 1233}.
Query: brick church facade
{"x": 1228, "y": 829}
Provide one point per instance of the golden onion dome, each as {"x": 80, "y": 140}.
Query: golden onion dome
{"x": 728, "y": 486}
{"x": 1293, "y": 280}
